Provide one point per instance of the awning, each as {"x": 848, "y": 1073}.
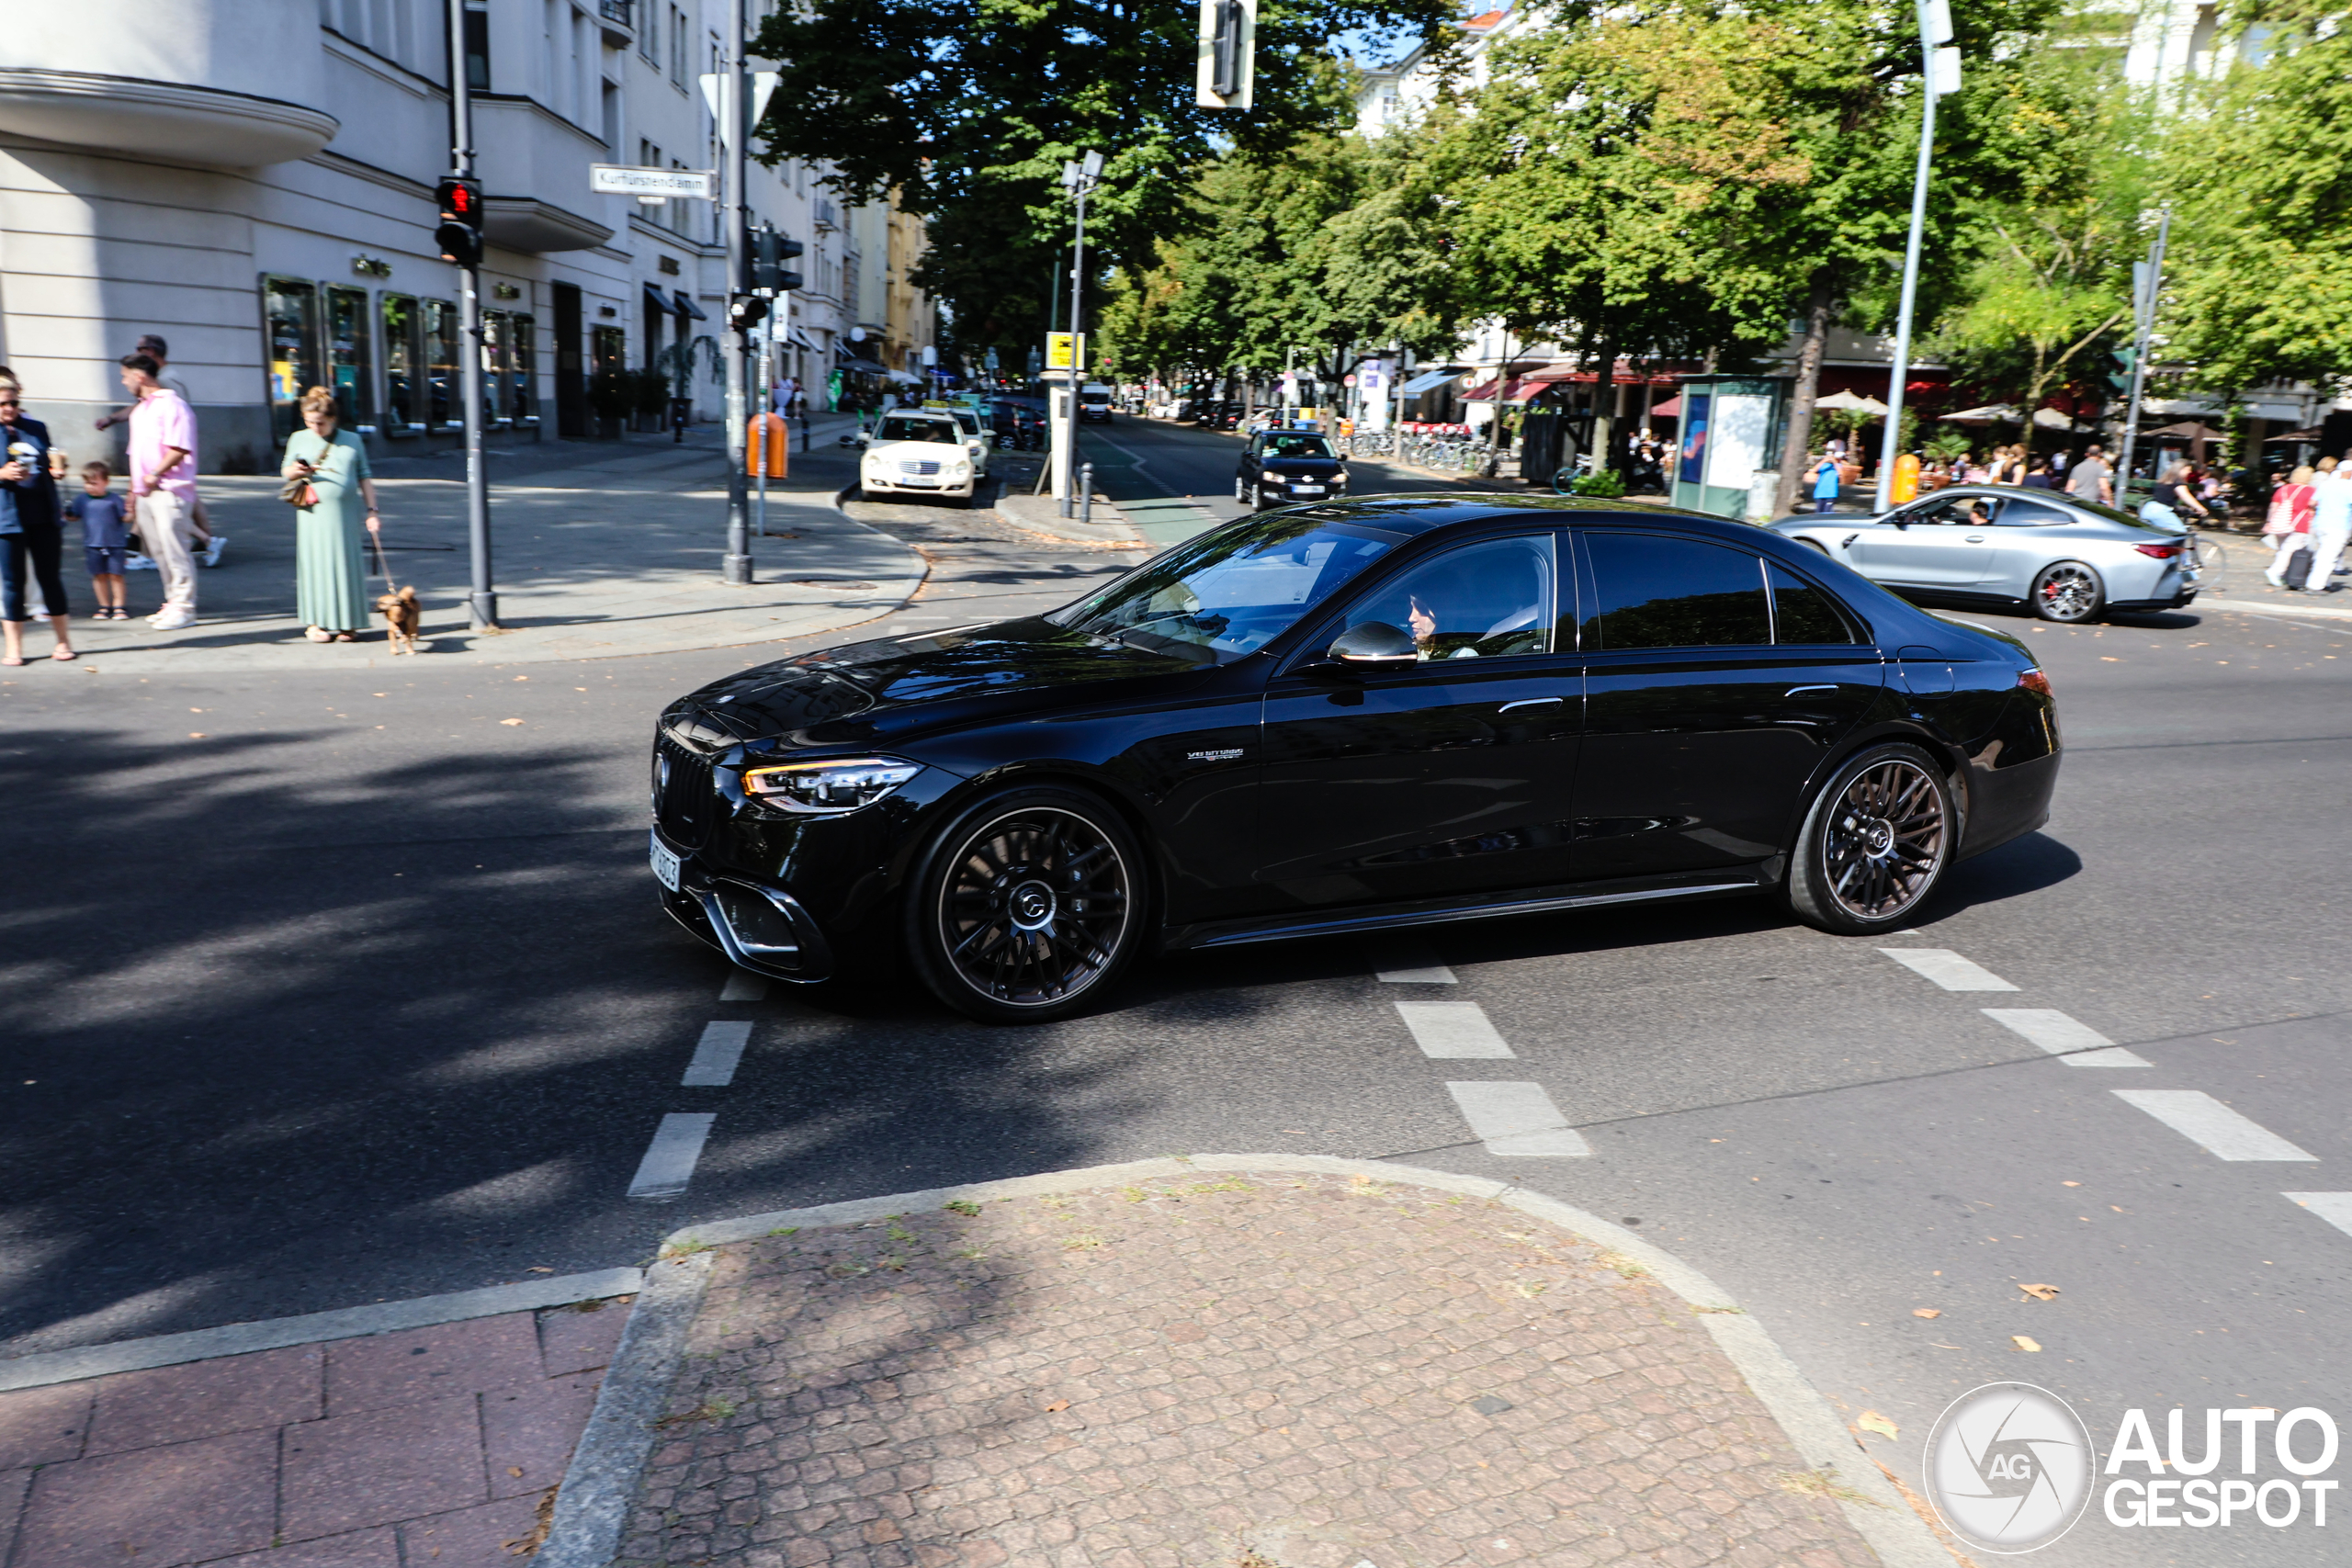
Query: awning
{"x": 1874, "y": 407}
{"x": 1517, "y": 392}
{"x": 2191, "y": 431}
{"x": 850, "y": 362}
{"x": 686, "y": 307}
{"x": 2050, "y": 419}
{"x": 1991, "y": 413}
{"x": 1671, "y": 409}
{"x": 800, "y": 340}
{"x": 2313, "y": 433}
{"x": 1426, "y": 382}
{"x": 657, "y": 300}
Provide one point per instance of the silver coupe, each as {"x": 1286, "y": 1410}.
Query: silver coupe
{"x": 2066, "y": 558}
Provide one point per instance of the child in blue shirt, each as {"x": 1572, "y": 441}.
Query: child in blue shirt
{"x": 105, "y": 539}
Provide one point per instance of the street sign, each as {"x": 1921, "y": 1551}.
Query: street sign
{"x": 1063, "y": 351}
{"x": 763, "y": 85}
{"x": 620, "y": 179}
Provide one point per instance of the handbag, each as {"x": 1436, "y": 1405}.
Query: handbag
{"x": 2282, "y": 518}
{"x": 299, "y": 492}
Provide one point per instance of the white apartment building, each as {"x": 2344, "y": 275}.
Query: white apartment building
{"x": 254, "y": 179}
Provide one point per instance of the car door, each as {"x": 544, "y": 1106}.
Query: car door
{"x": 1447, "y": 776}
{"x": 1701, "y": 730}
{"x": 1942, "y": 542}
{"x": 2028, "y": 534}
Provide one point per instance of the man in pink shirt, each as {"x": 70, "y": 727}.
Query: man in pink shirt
{"x": 163, "y": 478}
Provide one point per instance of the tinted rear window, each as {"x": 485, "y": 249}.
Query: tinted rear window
{"x": 1802, "y": 612}
{"x": 1655, "y": 592}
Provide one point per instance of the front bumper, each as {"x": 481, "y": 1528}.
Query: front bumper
{"x": 918, "y": 484}
{"x": 1288, "y": 491}
{"x": 758, "y": 926}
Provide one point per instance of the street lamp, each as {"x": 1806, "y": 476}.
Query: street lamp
{"x": 1942, "y": 76}
{"x": 1079, "y": 177}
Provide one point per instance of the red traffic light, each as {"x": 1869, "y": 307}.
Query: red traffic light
{"x": 460, "y": 201}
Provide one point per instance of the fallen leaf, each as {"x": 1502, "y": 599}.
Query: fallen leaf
{"x": 2070, "y": 1184}
{"x": 516, "y": 1470}
{"x": 1057, "y": 1405}
{"x": 2024, "y": 1342}
{"x": 539, "y": 1269}
{"x": 510, "y": 721}
{"x": 196, "y": 735}
{"x": 1926, "y": 1312}
{"x": 2040, "y": 1292}
{"x": 1872, "y": 1421}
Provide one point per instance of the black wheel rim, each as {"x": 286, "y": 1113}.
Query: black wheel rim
{"x": 2068, "y": 593}
{"x": 1885, "y": 841}
{"x": 1033, "y": 907}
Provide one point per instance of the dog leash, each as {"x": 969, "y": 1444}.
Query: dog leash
{"x": 384, "y": 562}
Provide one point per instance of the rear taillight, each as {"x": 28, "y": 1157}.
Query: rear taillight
{"x": 2162, "y": 552}
{"x": 2035, "y": 681}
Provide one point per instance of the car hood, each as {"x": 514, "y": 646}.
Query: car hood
{"x": 868, "y": 693}
{"x": 932, "y": 449}
{"x": 1299, "y": 465}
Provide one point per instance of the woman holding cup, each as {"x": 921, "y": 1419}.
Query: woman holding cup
{"x": 29, "y": 527}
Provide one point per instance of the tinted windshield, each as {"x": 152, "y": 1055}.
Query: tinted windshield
{"x": 1226, "y": 595}
{"x": 907, "y": 427}
{"x": 1298, "y": 447}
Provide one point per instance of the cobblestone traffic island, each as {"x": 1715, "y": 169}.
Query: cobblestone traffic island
{"x": 1231, "y": 1371}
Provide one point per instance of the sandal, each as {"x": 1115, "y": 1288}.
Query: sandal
{"x": 10, "y": 663}
{"x": 319, "y": 634}
{"x": 345, "y": 637}
{"x": 65, "y": 655}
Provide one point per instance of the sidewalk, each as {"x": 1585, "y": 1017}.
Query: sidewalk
{"x": 1211, "y": 1364}
{"x": 598, "y": 549}
{"x": 2243, "y": 586}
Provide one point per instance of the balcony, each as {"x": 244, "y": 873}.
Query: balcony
{"x": 618, "y": 24}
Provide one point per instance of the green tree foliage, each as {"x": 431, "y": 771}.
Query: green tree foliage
{"x": 967, "y": 109}
{"x": 2259, "y": 269}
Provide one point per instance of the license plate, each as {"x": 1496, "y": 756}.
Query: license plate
{"x": 1308, "y": 490}
{"x": 665, "y": 865}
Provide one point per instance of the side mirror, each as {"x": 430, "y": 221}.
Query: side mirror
{"x": 864, "y": 438}
{"x": 1373, "y": 644}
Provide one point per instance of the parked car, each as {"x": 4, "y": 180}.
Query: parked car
{"x": 1282, "y": 465}
{"x": 2064, "y": 557}
{"x": 1335, "y": 719}
{"x": 916, "y": 451}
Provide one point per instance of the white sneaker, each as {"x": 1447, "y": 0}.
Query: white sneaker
{"x": 213, "y": 551}
{"x": 173, "y": 620}
{"x": 137, "y": 562}
{"x": 2275, "y": 579}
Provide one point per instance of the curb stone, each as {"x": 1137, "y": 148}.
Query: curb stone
{"x": 605, "y": 1467}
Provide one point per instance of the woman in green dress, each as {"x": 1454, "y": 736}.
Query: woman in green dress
{"x": 329, "y": 579}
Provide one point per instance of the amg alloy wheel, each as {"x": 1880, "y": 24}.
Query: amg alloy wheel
{"x": 2068, "y": 591}
{"x": 1875, "y": 843}
{"x": 1028, "y": 906}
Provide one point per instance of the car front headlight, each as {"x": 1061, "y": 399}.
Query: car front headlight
{"x": 1270, "y": 477}
{"x": 828, "y": 788}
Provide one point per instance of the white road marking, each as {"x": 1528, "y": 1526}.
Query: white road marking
{"x": 1404, "y": 962}
{"x": 2203, "y": 1120}
{"x": 1517, "y": 1118}
{"x": 2079, "y": 1043}
{"x": 1427, "y": 975}
{"x": 743, "y": 985}
{"x": 1947, "y": 969}
{"x": 716, "y": 1056}
{"x": 2335, "y": 1207}
{"x": 1453, "y": 1030}
{"x": 669, "y": 1159}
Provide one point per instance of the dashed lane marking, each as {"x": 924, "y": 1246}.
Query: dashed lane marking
{"x": 1947, "y": 969}
{"x": 2202, "y": 1119}
{"x": 743, "y": 985}
{"x": 669, "y": 1159}
{"x": 1453, "y": 1030}
{"x": 2335, "y": 1207}
{"x": 716, "y": 1056}
{"x": 1517, "y": 1118}
{"x": 2078, "y": 1042}
{"x": 1427, "y": 975}
{"x": 1403, "y": 961}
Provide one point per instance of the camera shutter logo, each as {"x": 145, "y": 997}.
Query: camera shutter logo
{"x": 2009, "y": 1467}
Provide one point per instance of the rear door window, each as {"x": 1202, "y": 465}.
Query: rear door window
{"x": 1803, "y": 614}
{"x": 1655, "y": 590}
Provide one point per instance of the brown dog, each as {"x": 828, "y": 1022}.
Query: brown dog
{"x": 403, "y": 617}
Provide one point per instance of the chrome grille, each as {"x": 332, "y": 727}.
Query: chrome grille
{"x": 684, "y": 804}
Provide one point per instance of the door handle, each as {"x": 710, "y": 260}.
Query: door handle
{"x": 1847, "y": 541}
{"x": 1801, "y": 691}
{"x": 1530, "y": 703}
{"x": 1976, "y": 539}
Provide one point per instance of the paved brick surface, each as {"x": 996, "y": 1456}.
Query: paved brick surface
{"x": 1243, "y": 1372}
{"x": 429, "y": 1448}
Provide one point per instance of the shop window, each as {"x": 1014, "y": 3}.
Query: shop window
{"x": 403, "y": 365}
{"x": 290, "y": 314}
{"x": 494, "y": 331}
{"x": 522, "y": 369}
{"x": 443, "y": 400}
{"x": 609, "y": 349}
{"x": 351, "y": 356}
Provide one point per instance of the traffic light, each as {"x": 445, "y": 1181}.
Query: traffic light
{"x": 770, "y": 250}
{"x": 2119, "y": 379}
{"x": 460, "y": 233}
{"x": 746, "y": 311}
{"x": 1227, "y": 45}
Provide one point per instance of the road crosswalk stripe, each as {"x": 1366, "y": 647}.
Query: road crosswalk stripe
{"x": 2222, "y": 1132}
{"x": 2335, "y": 1207}
{"x": 1517, "y": 1118}
{"x": 1453, "y": 1030}
{"x": 717, "y": 1054}
{"x": 2078, "y": 1042}
{"x": 669, "y": 1160}
{"x": 1947, "y": 969}
{"x": 743, "y": 985}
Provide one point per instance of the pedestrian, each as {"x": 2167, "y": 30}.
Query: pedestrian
{"x": 163, "y": 482}
{"x": 2288, "y": 523}
{"x": 208, "y": 545}
{"x": 29, "y": 527}
{"x": 330, "y": 577}
{"x": 2039, "y": 477}
{"x": 2331, "y": 523}
{"x": 2089, "y": 481}
{"x": 1825, "y": 481}
{"x": 106, "y": 540}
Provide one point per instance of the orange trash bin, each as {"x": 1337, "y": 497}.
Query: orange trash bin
{"x": 769, "y": 438}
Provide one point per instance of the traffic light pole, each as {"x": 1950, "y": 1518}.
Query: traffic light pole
{"x": 736, "y": 214}
{"x": 481, "y": 604}
{"x": 2145, "y": 309}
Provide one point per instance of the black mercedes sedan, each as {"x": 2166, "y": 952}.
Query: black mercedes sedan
{"x": 1279, "y": 465}
{"x": 1386, "y": 711}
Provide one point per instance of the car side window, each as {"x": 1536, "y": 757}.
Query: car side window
{"x": 1652, "y": 590}
{"x": 1959, "y": 511}
{"x": 1803, "y": 614}
{"x": 2019, "y": 512}
{"x": 1488, "y": 600}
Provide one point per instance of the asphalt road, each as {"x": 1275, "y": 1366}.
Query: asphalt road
{"x": 277, "y": 1041}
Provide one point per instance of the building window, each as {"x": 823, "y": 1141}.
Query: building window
{"x": 477, "y": 45}
{"x": 608, "y": 349}
{"x": 290, "y": 314}
{"x": 522, "y": 368}
{"x": 442, "y": 397}
{"x": 678, "y": 59}
{"x": 403, "y": 353}
{"x": 494, "y": 361}
{"x": 351, "y": 357}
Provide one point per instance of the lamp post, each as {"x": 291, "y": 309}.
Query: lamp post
{"x": 1079, "y": 177}
{"x": 481, "y": 603}
{"x": 1941, "y": 76}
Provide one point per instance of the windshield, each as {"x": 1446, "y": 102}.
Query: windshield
{"x": 909, "y": 427}
{"x": 969, "y": 421}
{"x": 1298, "y": 447}
{"x": 1229, "y": 593}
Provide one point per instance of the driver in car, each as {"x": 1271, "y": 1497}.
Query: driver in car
{"x": 1426, "y": 623}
